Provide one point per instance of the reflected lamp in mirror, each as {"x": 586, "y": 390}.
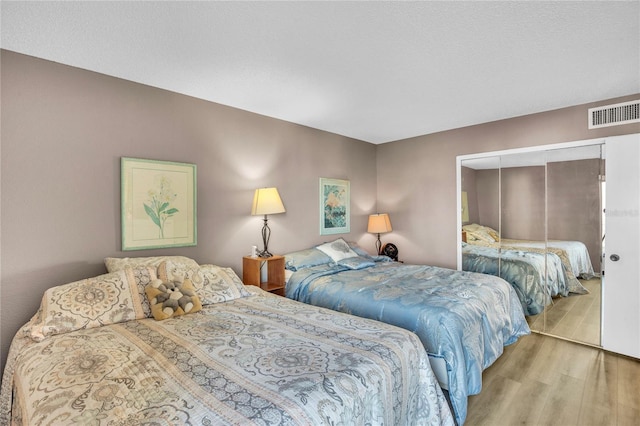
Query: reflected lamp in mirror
{"x": 379, "y": 223}
{"x": 266, "y": 201}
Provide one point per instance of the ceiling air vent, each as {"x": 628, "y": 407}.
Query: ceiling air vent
{"x": 614, "y": 115}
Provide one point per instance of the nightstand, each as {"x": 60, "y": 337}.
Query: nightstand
{"x": 251, "y": 268}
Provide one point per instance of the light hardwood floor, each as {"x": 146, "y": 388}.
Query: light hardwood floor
{"x": 576, "y": 317}
{"x": 542, "y": 380}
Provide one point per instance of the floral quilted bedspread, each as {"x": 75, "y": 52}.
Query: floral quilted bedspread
{"x": 261, "y": 359}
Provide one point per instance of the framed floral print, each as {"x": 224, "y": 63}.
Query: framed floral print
{"x": 158, "y": 204}
{"x": 335, "y": 212}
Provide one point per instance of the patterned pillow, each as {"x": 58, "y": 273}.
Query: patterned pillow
{"x": 142, "y": 276}
{"x": 304, "y": 259}
{"x": 93, "y": 302}
{"x": 213, "y": 284}
{"x": 357, "y": 262}
{"x": 114, "y": 264}
{"x": 363, "y": 253}
{"x": 337, "y": 250}
{"x": 477, "y": 232}
{"x": 171, "y": 270}
{"x": 494, "y": 234}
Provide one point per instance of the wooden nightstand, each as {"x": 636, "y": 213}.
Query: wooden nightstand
{"x": 251, "y": 268}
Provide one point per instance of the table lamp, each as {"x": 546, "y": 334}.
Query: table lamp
{"x": 379, "y": 223}
{"x": 266, "y": 201}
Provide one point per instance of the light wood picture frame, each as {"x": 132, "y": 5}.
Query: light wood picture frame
{"x": 158, "y": 204}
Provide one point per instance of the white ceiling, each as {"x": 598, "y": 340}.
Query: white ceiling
{"x": 375, "y": 71}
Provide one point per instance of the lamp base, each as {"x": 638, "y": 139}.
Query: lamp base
{"x": 266, "y": 234}
{"x": 264, "y": 253}
{"x": 379, "y": 245}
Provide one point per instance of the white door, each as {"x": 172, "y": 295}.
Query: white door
{"x": 621, "y": 280}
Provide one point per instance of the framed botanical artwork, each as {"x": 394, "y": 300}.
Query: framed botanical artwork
{"x": 335, "y": 211}
{"x": 158, "y": 203}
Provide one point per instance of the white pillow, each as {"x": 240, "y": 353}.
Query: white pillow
{"x": 337, "y": 250}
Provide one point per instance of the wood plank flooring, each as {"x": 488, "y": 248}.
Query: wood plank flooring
{"x": 576, "y": 317}
{"x": 542, "y": 380}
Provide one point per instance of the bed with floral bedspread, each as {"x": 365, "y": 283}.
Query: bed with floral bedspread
{"x": 248, "y": 357}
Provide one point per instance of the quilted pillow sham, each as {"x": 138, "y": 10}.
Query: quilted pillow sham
{"x": 357, "y": 262}
{"x": 477, "y": 232}
{"x": 363, "y": 253}
{"x": 359, "y": 250}
{"x": 114, "y": 264}
{"x": 213, "y": 284}
{"x": 106, "y": 299}
{"x": 305, "y": 259}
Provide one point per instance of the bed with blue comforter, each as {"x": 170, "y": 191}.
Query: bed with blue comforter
{"x": 462, "y": 317}
{"x": 536, "y": 277}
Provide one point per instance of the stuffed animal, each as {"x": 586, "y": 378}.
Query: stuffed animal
{"x": 172, "y": 298}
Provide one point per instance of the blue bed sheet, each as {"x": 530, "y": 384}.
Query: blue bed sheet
{"x": 524, "y": 270}
{"x": 463, "y": 317}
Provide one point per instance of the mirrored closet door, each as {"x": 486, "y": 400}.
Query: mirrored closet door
{"x": 575, "y": 224}
{"x": 534, "y": 217}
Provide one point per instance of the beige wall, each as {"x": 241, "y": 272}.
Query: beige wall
{"x": 63, "y": 133}
{"x": 417, "y": 176}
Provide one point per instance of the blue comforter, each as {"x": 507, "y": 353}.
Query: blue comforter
{"x": 524, "y": 270}
{"x": 465, "y": 318}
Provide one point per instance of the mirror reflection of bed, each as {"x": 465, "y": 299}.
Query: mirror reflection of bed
{"x": 569, "y": 274}
{"x": 534, "y": 218}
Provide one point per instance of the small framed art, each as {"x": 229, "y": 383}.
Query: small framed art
{"x": 335, "y": 212}
{"x": 158, "y": 204}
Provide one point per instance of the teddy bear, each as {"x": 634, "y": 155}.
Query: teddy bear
{"x": 172, "y": 298}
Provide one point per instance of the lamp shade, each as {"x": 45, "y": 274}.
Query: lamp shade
{"x": 267, "y": 201}
{"x": 379, "y": 223}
